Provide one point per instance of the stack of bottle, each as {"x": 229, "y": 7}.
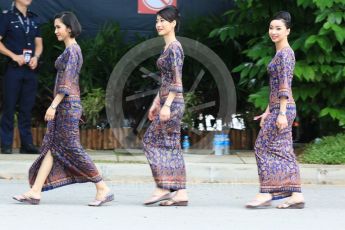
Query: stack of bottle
{"x": 185, "y": 144}
{"x": 221, "y": 144}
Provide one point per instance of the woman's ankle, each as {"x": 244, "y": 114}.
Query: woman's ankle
{"x": 182, "y": 193}
{"x": 161, "y": 190}
{"x": 36, "y": 193}
{"x": 264, "y": 195}
{"x": 35, "y": 190}
{"x": 102, "y": 186}
{"x": 103, "y": 189}
{"x": 297, "y": 195}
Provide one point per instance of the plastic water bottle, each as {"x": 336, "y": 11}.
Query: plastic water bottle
{"x": 185, "y": 144}
{"x": 226, "y": 144}
{"x": 218, "y": 145}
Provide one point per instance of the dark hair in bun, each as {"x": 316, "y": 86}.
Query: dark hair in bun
{"x": 171, "y": 13}
{"x": 283, "y": 16}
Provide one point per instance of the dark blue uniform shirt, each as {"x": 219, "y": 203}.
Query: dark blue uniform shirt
{"x": 13, "y": 30}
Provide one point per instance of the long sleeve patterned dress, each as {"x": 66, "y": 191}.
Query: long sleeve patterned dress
{"x": 71, "y": 163}
{"x": 277, "y": 166}
{"x": 162, "y": 139}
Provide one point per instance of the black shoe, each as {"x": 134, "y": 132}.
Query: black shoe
{"x": 6, "y": 150}
{"x": 28, "y": 149}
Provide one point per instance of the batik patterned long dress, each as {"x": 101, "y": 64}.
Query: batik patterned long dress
{"x": 277, "y": 166}
{"x": 162, "y": 139}
{"x": 71, "y": 164}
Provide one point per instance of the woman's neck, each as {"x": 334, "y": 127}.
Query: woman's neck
{"x": 70, "y": 41}
{"x": 169, "y": 38}
{"x": 23, "y": 9}
{"x": 282, "y": 44}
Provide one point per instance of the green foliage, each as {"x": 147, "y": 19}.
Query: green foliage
{"x": 317, "y": 37}
{"x": 93, "y": 104}
{"x": 191, "y": 99}
{"x": 101, "y": 53}
{"x": 260, "y": 98}
{"x": 337, "y": 114}
{"x": 328, "y": 150}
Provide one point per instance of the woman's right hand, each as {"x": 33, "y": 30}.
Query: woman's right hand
{"x": 50, "y": 114}
{"x": 262, "y": 118}
{"x": 153, "y": 111}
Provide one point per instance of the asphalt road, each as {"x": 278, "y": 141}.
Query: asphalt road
{"x": 212, "y": 206}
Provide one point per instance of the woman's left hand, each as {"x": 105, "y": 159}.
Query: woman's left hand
{"x": 282, "y": 122}
{"x": 50, "y": 114}
{"x": 164, "y": 114}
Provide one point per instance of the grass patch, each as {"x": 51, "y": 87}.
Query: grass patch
{"x": 329, "y": 150}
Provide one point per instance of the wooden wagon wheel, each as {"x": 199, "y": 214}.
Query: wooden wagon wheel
{"x": 116, "y": 101}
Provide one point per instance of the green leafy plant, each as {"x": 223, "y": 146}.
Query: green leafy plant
{"x": 191, "y": 99}
{"x": 336, "y": 114}
{"x": 328, "y": 150}
{"x": 93, "y": 103}
{"x": 101, "y": 53}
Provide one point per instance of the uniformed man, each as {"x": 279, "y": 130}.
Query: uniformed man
{"x": 21, "y": 43}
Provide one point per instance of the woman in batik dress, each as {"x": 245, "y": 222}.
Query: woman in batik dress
{"x": 62, "y": 159}
{"x": 277, "y": 167}
{"x": 162, "y": 139}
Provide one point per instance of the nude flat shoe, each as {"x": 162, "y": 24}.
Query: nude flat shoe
{"x": 158, "y": 199}
{"x": 96, "y": 203}
{"x": 257, "y": 204}
{"x": 172, "y": 202}
{"x": 290, "y": 205}
{"x": 27, "y": 199}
